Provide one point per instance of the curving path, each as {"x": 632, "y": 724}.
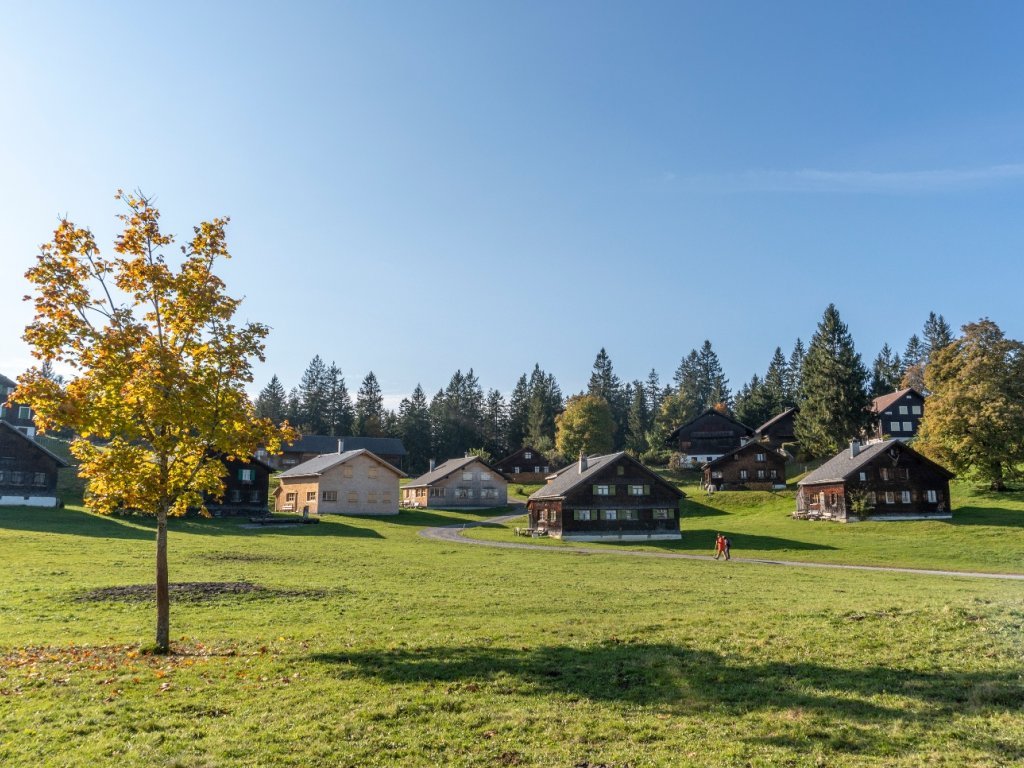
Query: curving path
{"x": 454, "y": 534}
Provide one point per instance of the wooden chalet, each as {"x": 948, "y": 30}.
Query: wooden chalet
{"x": 246, "y": 488}
{"x": 886, "y": 480}
{"x": 16, "y": 414}
{"x": 307, "y": 447}
{"x": 606, "y": 498}
{"x": 779, "y": 430}
{"x": 527, "y": 465}
{"x": 465, "y": 482}
{"x": 346, "y": 483}
{"x": 897, "y": 414}
{"x": 28, "y": 471}
{"x": 707, "y": 436}
{"x": 754, "y": 466}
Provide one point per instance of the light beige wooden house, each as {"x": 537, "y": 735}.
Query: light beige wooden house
{"x": 349, "y": 483}
{"x": 466, "y": 482}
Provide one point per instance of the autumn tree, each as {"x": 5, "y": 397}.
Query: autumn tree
{"x": 833, "y": 395}
{"x": 974, "y": 417}
{"x": 585, "y": 425}
{"x": 158, "y": 369}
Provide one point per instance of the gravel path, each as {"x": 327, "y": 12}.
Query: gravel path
{"x": 454, "y": 534}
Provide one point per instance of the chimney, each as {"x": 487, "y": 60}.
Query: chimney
{"x": 583, "y": 462}
{"x": 432, "y": 462}
{"x": 341, "y": 445}
{"x": 854, "y": 448}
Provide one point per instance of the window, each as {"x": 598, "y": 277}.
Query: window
{"x": 547, "y": 469}
{"x": 247, "y": 475}
{"x": 890, "y": 497}
{"x": 905, "y": 497}
{"x": 581, "y": 514}
{"x": 894, "y": 426}
{"x": 515, "y": 470}
{"x": 371, "y": 472}
{"x": 604, "y": 490}
{"x": 639, "y": 490}
{"x": 760, "y": 457}
{"x": 236, "y": 495}
{"x": 916, "y": 410}
{"x": 371, "y": 497}
{"x": 293, "y": 497}
{"x": 16, "y": 477}
{"x": 463, "y": 493}
{"x": 863, "y": 477}
{"x": 485, "y": 475}
{"x": 536, "y": 469}
{"x": 385, "y": 497}
{"x": 716, "y": 474}
{"x": 437, "y": 492}
{"x": 904, "y": 410}
{"x": 346, "y": 471}
{"x": 24, "y": 412}
{"x": 885, "y": 473}
{"x": 488, "y": 493}
{"x": 467, "y": 475}
{"x": 629, "y": 514}
{"x": 527, "y": 455}
{"x": 774, "y": 474}
{"x": 902, "y": 473}
{"x": 662, "y": 514}
{"x": 608, "y": 514}
{"x": 871, "y": 498}
{"x": 254, "y": 497}
{"x": 908, "y": 427}
{"x": 932, "y": 497}
{"x": 760, "y": 474}
{"x": 330, "y": 496}
{"x": 353, "y": 497}
{"x": 39, "y": 478}
{"x": 620, "y": 470}
{"x": 311, "y": 495}
{"x": 3, "y": 411}
{"x": 743, "y": 474}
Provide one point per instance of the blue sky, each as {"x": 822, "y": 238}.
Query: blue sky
{"x": 420, "y": 187}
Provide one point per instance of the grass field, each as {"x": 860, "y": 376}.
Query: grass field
{"x": 359, "y": 643}
{"x": 985, "y": 534}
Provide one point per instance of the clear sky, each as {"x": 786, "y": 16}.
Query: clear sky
{"x": 419, "y": 187}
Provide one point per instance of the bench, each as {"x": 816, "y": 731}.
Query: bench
{"x": 285, "y": 520}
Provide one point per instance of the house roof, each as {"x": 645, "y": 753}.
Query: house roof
{"x": 739, "y": 449}
{"x": 320, "y": 464}
{"x": 5, "y": 382}
{"x": 775, "y": 419}
{"x": 443, "y": 470}
{"x": 389, "y": 446}
{"x": 843, "y": 464}
{"x": 536, "y": 454}
{"x": 250, "y": 460}
{"x": 713, "y": 412}
{"x": 879, "y": 404}
{"x": 11, "y": 428}
{"x": 565, "y": 480}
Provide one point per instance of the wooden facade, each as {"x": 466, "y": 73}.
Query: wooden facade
{"x": 28, "y": 471}
{"x": 350, "y": 483}
{"x": 779, "y": 430}
{"x": 465, "y": 482}
{"x": 887, "y": 480}
{"x": 897, "y": 414}
{"x": 526, "y": 465}
{"x": 606, "y": 498}
{"x": 708, "y": 436}
{"x": 246, "y": 487}
{"x": 16, "y": 414}
{"x": 754, "y": 466}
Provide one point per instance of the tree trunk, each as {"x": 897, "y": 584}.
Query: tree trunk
{"x": 163, "y": 598}
{"x": 997, "y": 477}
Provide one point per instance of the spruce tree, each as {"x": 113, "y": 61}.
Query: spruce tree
{"x": 369, "y": 411}
{"x": 494, "y": 428}
{"x": 654, "y": 394}
{"x": 794, "y": 375}
{"x": 833, "y": 396}
{"x": 518, "y": 414}
{"x": 604, "y": 383}
{"x": 638, "y": 420}
{"x": 339, "y": 412}
{"x": 886, "y": 372}
{"x": 272, "y": 401}
{"x": 937, "y": 334}
{"x": 713, "y": 387}
{"x": 774, "y": 386}
{"x": 754, "y": 404}
{"x": 414, "y": 429}
{"x": 313, "y": 395}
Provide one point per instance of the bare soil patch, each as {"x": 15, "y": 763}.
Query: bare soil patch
{"x": 195, "y": 592}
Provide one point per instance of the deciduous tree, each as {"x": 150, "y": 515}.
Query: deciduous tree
{"x": 159, "y": 367}
{"x": 585, "y": 425}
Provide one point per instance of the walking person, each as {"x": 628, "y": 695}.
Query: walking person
{"x": 726, "y": 545}
{"x": 720, "y": 546}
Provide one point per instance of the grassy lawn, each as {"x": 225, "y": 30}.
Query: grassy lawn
{"x": 359, "y": 643}
{"x": 985, "y": 534}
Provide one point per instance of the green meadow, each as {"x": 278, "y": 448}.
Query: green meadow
{"x": 357, "y": 642}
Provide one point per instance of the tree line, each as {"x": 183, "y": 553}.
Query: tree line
{"x": 827, "y": 379}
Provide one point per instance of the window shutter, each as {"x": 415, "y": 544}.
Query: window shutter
{"x": 593, "y": 489}
{"x": 611, "y": 489}
{"x": 647, "y": 490}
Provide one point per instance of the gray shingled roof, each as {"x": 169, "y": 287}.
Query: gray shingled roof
{"x": 842, "y": 465}
{"x": 443, "y": 470}
{"x": 384, "y": 446}
{"x": 324, "y": 462}
{"x": 564, "y": 480}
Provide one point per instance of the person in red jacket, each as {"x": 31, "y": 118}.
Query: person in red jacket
{"x": 720, "y": 547}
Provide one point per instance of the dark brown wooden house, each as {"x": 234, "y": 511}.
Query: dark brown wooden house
{"x": 28, "y": 471}
{"x": 246, "y": 488}
{"x": 779, "y": 430}
{"x": 754, "y": 466}
{"x": 887, "y": 480}
{"x": 708, "y": 436}
{"x": 309, "y": 447}
{"x": 16, "y": 414}
{"x": 527, "y": 465}
{"x": 897, "y": 414}
{"x": 606, "y": 498}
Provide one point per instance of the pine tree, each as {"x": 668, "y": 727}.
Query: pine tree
{"x": 886, "y": 372}
{"x": 313, "y": 395}
{"x": 495, "y": 425}
{"x": 369, "y": 410}
{"x": 272, "y": 402}
{"x": 339, "y": 412}
{"x": 604, "y": 383}
{"x": 775, "y": 386}
{"x": 687, "y": 379}
{"x": 754, "y": 404}
{"x": 713, "y": 387}
{"x": 638, "y": 420}
{"x": 414, "y": 429}
{"x": 545, "y": 403}
{"x": 654, "y": 393}
{"x": 937, "y": 334}
{"x": 293, "y": 410}
{"x": 833, "y": 397}
{"x": 794, "y": 375}
{"x": 518, "y": 414}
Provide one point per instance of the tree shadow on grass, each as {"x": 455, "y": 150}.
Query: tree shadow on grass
{"x": 432, "y": 518}
{"x": 693, "y": 508}
{"x": 693, "y": 682}
{"x": 1000, "y": 517}
{"x": 73, "y": 522}
{"x": 747, "y": 541}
